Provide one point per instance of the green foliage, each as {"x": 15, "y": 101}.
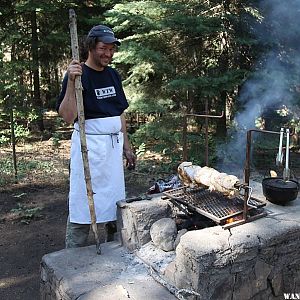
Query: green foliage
{"x": 35, "y": 43}
{"x": 21, "y": 133}
{"x": 172, "y": 48}
{"x": 26, "y": 214}
{"x": 209, "y": 86}
{"x": 4, "y": 140}
{"x": 157, "y": 168}
{"x": 175, "y": 56}
{"x": 56, "y": 138}
{"x": 24, "y": 168}
{"x": 159, "y": 137}
{"x": 7, "y": 171}
{"x": 141, "y": 150}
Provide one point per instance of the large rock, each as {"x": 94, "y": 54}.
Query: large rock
{"x": 163, "y": 234}
{"x": 135, "y": 220}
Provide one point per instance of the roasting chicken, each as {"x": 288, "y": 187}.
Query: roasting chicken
{"x": 186, "y": 171}
{"x": 193, "y": 176}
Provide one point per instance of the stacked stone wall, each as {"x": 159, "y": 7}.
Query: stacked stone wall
{"x": 258, "y": 265}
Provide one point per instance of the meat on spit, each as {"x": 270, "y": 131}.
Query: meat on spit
{"x": 194, "y": 176}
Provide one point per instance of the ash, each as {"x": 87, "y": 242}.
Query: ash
{"x": 155, "y": 257}
{"x": 135, "y": 269}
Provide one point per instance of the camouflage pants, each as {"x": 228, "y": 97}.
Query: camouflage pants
{"x": 77, "y": 234}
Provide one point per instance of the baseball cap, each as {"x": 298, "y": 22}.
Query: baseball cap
{"x": 105, "y": 34}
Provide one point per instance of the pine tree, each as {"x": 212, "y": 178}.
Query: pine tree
{"x": 36, "y": 35}
{"x": 178, "y": 55}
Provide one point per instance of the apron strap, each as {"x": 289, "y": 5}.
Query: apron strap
{"x": 116, "y": 134}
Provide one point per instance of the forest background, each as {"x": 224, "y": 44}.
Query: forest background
{"x": 176, "y": 58}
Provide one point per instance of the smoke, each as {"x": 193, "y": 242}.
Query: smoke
{"x": 272, "y": 85}
{"x": 268, "y": 88}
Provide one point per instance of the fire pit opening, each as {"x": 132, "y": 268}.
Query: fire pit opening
{"x": 192, "y": 221}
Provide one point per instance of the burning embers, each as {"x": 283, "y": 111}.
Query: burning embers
{"x": 192, "y": 221}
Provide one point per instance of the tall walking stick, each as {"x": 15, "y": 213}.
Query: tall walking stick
{"x": 81, "y": 121}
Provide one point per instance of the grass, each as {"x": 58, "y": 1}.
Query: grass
{"x": 26, "y": 214}
{"x": 40, "y": 162}
{"x": 37, "y": 162}
{"x": 25, "y": 169}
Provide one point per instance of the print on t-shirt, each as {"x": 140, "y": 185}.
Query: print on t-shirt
{"x": 106, "y": 92}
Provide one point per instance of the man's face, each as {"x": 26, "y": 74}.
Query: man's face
{"x": 102, "y": 54}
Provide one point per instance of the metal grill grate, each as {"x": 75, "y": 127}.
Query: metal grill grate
{"x": 213, "y": 205}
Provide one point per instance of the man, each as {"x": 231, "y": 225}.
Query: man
{"x": 104, "y": 105}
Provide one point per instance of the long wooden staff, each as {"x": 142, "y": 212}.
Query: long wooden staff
{"x": 81, "y": 121}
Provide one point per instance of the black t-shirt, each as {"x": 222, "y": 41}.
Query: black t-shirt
{"x": 103, "y": 94}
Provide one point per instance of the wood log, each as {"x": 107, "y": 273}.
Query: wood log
{"x": 81, "y": 123}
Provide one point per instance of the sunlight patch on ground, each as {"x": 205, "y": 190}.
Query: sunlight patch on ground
{"x": 13, "y": 280}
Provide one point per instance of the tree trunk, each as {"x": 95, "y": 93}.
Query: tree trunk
{"x": 37, "y": 101}
{"x": 221, "y": 129}
{"x": 223, "y": 62}
{"x": 12, "y": 122}
{"x": 46, "y": 77}
{"x": 13, "y": 143}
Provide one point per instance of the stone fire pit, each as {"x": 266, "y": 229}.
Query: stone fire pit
{"x": 257, "y": 260}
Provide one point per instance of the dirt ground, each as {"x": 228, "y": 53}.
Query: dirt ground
{"x": 22, "y": 245}
{"x": 33, "y": 215}
{"x": 25, "y": 239}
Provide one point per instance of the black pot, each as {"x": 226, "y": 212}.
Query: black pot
{"x": 278, "y": 191}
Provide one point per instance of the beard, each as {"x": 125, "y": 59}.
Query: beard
{"x": 101, "y": 61}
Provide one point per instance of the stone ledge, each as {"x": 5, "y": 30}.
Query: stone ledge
{"x": 82, "y": 274}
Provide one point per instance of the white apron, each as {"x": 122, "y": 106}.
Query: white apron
{"x": 106, "y": 167}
